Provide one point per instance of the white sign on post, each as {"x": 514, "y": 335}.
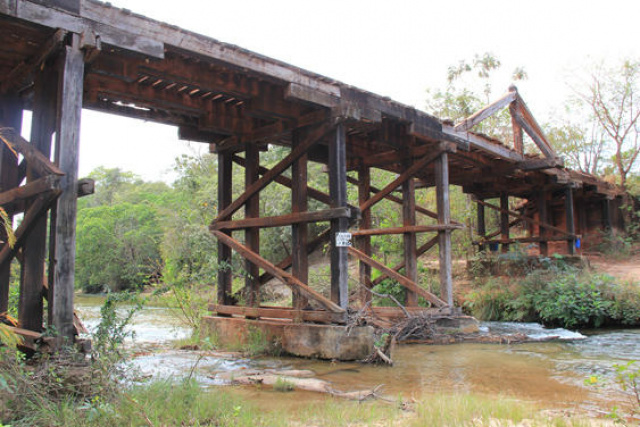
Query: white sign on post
{"x": 343, "y": 240}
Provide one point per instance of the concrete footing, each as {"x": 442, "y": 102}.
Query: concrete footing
{"x": 297, "y": 339}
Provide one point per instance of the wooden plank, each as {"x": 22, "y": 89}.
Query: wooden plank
{"x": 485, "y": 112}
{"x": 444, "y": 236}
{"x": 284, "y": 220}
{"x": 34, "y": 157}
{"x": 420, "y": 251}
{"x": 115, "y": 35}
{"x": 538, "y": 164}
{"x": 338, "y": 191}
{"x": 299, "y": 231}
{"x": 252, "y": 234}
{"x": 27, "y": 191}
{"x": 402, "y": 280}
{"x": 225, "y": 189}
{"x": 531, "y": 239}
{"x": 518, "y": 137}
{"x": 311, "y": 138}
{"x": 398, "y": 313}
{"x": 481, "y": 143}
{"x": 284, "y": 277}
{"x": 280, "y": 313}
{"x": 67, "y": 143}
{"x": 407, "y": 174}
{"x": 405, "y": 229}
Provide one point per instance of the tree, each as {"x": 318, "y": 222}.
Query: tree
{"x": 611, "y": 95}
{"x": 582, "y": 143}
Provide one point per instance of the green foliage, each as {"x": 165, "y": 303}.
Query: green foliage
{"x": 117, "y": 246}
{"x": 561, "y": 296}
{"x": 283, "y": 385}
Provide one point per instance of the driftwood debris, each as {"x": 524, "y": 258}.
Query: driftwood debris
{"x": 297, "y": 380}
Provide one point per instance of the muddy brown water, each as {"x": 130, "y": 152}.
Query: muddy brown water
{"x": 549, "y": 373}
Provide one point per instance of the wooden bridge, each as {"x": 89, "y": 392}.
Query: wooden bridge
{"x": 60, "y": 56}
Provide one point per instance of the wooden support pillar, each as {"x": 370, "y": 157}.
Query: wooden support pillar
{"x": 338, "y": 193}
{"x": 444, "y": 236}
{"x": 364, "y": 242}
{"x": 481, "y": 224}
{"x": 607, "y": 216}
{"x": 504, "y": 221}
{"x": 225, "y": 189}
{"x": 543, "y": 218}
{"x": 10, "y": 116}
{"x": 571, "y": 227}
{"x": 43, "y": 126}
{"x": 299, "y": 232}
{"x": 409, "y": 239}
{"x": 70, "y": 92}
{"x": 252, "y": 235}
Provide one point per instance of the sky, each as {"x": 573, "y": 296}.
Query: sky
{"x": 392, "y": 48}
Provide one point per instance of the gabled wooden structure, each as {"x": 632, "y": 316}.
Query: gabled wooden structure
{"x": 60, "y": 56}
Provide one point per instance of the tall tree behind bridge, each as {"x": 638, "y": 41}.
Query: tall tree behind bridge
{"x": 612, "y": 93}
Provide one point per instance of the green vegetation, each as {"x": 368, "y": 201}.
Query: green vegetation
{"x": 563, "y": 296}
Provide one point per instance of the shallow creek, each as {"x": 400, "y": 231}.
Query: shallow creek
{"x": 550, "y": 373}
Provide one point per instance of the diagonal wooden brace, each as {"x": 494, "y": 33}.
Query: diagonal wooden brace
{"x": 285, "y": 277}
{"x": 312, "y": 138}
{"x": 409, "y": 284}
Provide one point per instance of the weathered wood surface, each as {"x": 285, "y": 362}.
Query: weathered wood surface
{"x": 444, "y": 236}
{"x": 27, "y": 191}
{"x": 485, "y": 112}
{"x": 405, "y": 229}
{"x": 35, "y": 158}
{"x": 283, "y": 220}
{"x": 320, "y": 316}
{"x": 338, "y": 191}
{"x": 311, "y": 138}
{"x": 299, "y": 232}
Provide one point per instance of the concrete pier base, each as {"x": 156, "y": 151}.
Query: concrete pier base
{"x": 297, "y": 339}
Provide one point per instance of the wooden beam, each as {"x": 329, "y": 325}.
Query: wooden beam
{"x": 407, "y": 174}
{"x": 539, "y": 164}
{"x": 444, "y": 236}
{"x": 485, "y": 112}
{"x": 364, "y": 242}
{"x": 522, "y": 217}
{"x": 481, "y": 227}
{"x": 299, "y": 231}
{"x": 11, "y": 109}
{"x": 402, "y": 280}
{"x": 48, "y": 48}
{"x": 67, "y": 143}
{"x": 338, "y": 191}
{"x": 512, "y": 240}
{"x": 539, "y": 139}
{"x": 481, "y": 143}
{"x": 27, "y": 191}
{"x": 406, "y": 229}
{"x": 35, "y": 159}
{"x": 409, "y": 237}
{"x": 570, "y": 219}
{"x": 284, "y": 277}
{"x": 319, "y": 316}
{"x": 283, "y": 220}
{"x": 312, "y": 138}
{"x": 320, "y": 240}
{"x": 225, "y": 190}
{"x": 518, "y": 137}
{"x": 419, "y": 252}
{"x": 37, "y": 209}
{"x": 252, "y": 234}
